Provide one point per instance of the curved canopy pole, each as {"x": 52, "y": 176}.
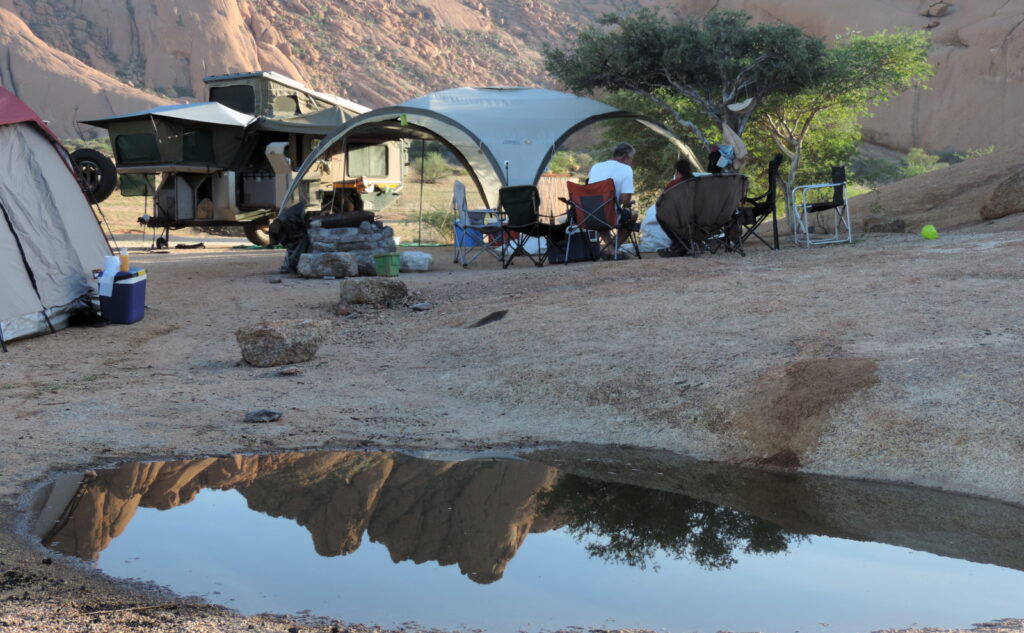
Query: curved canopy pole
{"x": 389, "y": 119}
{"x": 647, "y": 121}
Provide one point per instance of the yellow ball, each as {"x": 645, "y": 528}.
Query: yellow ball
{"x": 928, "y": 232}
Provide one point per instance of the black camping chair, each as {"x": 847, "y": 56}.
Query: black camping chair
{"x": 829, "y": 228}
{"x": 520, "y": 209}
{"x": 756, "y": 211}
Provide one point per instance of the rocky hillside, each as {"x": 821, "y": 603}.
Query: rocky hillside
{"x": 385, "y": 51}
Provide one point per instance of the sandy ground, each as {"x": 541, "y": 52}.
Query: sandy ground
{"x": 894, "y": 359}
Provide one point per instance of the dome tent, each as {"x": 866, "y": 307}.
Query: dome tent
{"x": 50, "y": 240}
{"x": 504, "y": 136}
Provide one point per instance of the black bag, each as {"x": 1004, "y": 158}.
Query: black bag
{"x": 580, "y": 249}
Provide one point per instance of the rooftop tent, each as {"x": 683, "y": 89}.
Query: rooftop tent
{"x": 50, "y": 241}
{"x": 270, "y": 95}
{"x": 505, "y": 136}
{"x": 206, "y": 136}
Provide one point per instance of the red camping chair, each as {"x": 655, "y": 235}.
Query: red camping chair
{"x": 594, "y": 207}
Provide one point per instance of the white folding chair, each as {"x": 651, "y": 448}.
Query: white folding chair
{"x": 474, "y": 229}
{"x": 828, "y": 222}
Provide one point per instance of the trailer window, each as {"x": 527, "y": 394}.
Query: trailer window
{"x": 136, "y": 148}
{"x": 241, "y": 98}
{"x": 369, "y": 161}
{"x": 286, "y": 105}
{"x": 197, "y": 146}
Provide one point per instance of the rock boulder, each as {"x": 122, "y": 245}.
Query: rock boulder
{"x": 283, "y": 342}
{"x": 316, "y": 265}
{"x": 380, "y": 291}
{"x": 415, "y": 262}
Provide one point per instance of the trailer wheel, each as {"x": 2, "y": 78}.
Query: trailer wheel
{"x": 258, "y": 232}
{"x": 96, "y": 172}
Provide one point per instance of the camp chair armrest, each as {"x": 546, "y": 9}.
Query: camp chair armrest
{"x": 762, "y": 197}
{"x": 821, "y": 186}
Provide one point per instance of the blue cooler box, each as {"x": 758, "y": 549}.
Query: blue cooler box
{"x": 127, "y": 303}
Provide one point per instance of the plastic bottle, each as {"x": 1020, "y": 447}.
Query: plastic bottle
{"x": 125, "y": 264}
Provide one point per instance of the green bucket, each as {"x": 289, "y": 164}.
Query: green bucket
{"x": 386, "y": 264}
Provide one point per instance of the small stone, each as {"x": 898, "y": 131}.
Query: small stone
{"x": 884, "y": 224}
{"x": 312, "y": 265}
{"x": 422, "y": 307}
{"x": 290, "y": 371}
{"x": 258, "y": 416}
{"x": 274, "y": 280}
{"x": 342, "y": 310}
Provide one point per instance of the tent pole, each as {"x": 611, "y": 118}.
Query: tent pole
{"x": 423, "y": 162}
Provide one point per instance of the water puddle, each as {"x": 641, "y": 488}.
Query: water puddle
{"x": 558, "y": 540}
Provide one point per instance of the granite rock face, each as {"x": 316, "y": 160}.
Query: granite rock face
{"x": 976, "y": 98}
{"x": 273, "y": 343}
{"x": 59, "y": 87}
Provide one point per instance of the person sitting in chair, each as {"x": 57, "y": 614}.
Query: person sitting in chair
{"x": 676, "y": 249}
{"x": 620, "y": 170}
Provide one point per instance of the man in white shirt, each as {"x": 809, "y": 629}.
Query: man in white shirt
{"x": 620, "y": 170}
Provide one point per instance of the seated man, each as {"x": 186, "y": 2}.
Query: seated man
{"x": 620, "y": 170}
{"x": 683, "y": 171}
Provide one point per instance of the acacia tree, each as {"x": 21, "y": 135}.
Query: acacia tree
{"x": 858, "y": 72}
{"x": 713, "y": 61}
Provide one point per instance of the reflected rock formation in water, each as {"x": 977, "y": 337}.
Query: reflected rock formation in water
{"x": 473, "y": 513}
{"x": 477, "y": 513}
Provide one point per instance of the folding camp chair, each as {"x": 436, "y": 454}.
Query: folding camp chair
{"x": 756, "y": 210}
{"x": 831, "y": 218}
{"x": 477, "y": 231}
{"x": 520, "y": 209}
{"x": 700, "y": 213}
{"x": 595, "y": 208}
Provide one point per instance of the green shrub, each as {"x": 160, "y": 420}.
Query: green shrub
{"x": 440, "y": 222}
{"x": 434, "y": 167}
{"x": 920, "y": 162}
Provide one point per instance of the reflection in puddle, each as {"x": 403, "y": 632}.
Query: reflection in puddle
{"x": 650, "y": 549}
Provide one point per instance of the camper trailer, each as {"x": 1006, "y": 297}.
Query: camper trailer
{"x": 230, "y": 160}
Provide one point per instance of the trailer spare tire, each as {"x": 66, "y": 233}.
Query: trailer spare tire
{"x": 258, "y": 232}
{"x": 96, "y": 172}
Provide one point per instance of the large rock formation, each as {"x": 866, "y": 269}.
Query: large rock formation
{"x": 385, "y": 51}
{"x": 976, "y": 98}
{"x": 61, "y": 88}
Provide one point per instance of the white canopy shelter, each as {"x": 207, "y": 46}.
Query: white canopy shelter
{"x": 504, "y": 136}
